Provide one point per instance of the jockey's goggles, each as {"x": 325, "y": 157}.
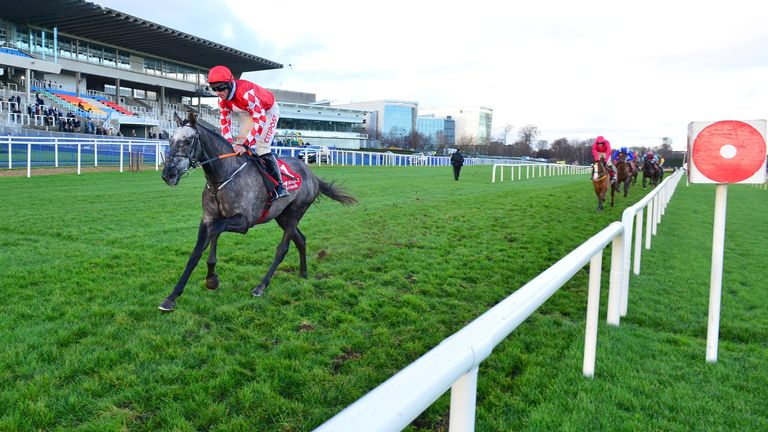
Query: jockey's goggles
{"x": 220, "y": 87}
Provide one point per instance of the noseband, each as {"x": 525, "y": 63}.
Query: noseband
{"x": 195, "y": 148}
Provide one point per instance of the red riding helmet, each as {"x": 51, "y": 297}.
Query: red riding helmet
{"x": 220, "y": 74}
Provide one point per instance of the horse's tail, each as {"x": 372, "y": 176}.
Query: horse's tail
{"x": 336, "y": 193}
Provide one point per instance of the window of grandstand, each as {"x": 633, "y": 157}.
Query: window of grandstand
{"x": 123, "y": 60}
{"x": 67, "y": 48}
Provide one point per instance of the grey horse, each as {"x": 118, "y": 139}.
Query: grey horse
{"x": 236, "y": 198}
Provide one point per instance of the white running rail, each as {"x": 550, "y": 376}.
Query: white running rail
{"x": 544, "y": 169}
{"x": 453, "y": 364}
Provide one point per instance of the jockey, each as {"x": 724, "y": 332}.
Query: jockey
{"x": 630, "y": 154}
{"x": 601, "y": 150}
{"x": 653, "y": 160}
{"x": 258, "y": 120}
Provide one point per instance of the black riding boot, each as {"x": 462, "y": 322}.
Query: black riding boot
{"x": 270, "y": 163}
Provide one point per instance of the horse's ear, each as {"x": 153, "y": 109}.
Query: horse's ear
{"x": 177, "y": 119}
{"x": 192, "y": 118}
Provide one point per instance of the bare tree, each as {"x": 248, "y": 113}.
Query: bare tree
{"x": 417, "y": 141}
{"x": 465, "y": 141}
{"x": 507, "y": 129}
{"x": 562, "y": 150}
{"x": 525, "y": 139}
{"x": 528, "y": 135}
{"x": 666, "y": 145}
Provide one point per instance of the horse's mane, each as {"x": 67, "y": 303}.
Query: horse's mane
{"x": 212, "y": 131}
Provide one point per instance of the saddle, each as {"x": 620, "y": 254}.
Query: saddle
{"x": 291, "y": 180}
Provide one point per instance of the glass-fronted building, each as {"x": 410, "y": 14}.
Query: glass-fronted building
{"x": 390, "y": 120}
{"x": 438, "y": 132}
{"x": 473, "y": 124}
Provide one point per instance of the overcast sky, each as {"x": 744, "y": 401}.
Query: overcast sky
{"x": 576, "y": 69}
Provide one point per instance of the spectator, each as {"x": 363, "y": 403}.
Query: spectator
{"x": 457, "y": 160}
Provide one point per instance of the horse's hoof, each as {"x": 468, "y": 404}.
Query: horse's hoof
{"x": 167, "y": 305}
{"x": 257, "y": 292}
{"x": 212, "y": 283}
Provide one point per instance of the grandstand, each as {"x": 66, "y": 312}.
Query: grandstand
{"x": 128, "y": 76}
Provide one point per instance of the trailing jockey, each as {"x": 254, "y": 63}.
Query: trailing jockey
{"x": 258, "y": 121}
{"x": 653, "y": 160}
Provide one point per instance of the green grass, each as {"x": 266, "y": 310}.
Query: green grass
{"x": 85, "y": 260}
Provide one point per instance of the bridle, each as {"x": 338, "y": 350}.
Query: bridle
{"x": 196, "y": 148}
{"x": 596, "y": 171}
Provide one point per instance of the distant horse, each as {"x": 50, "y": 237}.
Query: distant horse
{"x": 650, "y": 172}
{"x": 235, "y": 198}
{"x": 635, "y": 170}
{"x": 601, "y": 182}
{"x": 623, "y": 174}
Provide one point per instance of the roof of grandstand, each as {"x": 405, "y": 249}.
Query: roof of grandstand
{"x": 91, "y": 21}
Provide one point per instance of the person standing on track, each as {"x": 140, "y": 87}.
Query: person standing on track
{"x": 457, "y": 160}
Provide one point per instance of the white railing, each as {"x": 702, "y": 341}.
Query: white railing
{"x": 112, "y": 150}
{"x": 544, "y": 169}
{"x": 19, "y": 118}
{"x": 654, "y": 204}
{"x": 453, "y": 364}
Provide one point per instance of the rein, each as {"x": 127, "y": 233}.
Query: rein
{"x": 194, "y": 163}
{"x": 221, "y": 156}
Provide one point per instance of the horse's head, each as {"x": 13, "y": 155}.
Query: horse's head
{"x": 185, "y": 150}
{"x": 597, "y": 170}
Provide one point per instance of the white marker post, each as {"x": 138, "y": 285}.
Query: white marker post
{"x": 720, "y": 153}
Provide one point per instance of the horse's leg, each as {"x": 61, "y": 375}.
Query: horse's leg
{"x": 212, "y": 279}
{"x": 282, "y": 249}
{"x": 613, "y": 191}
{"x": 203, "y": 239}
{"x": 301, "y": 245}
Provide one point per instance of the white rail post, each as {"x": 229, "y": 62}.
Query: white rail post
{"x": 615, "y": 287}
{"x": 649, "y": 224}
{"x": 29, "y": 159}
{"x": 157, "y": 156}
{"x": 10, "y": 153}
{"x": 463, "y": 402}
{"x": 79, "y": 153}
{"x": 593, "y": 310}
{"x": 716, "y": 274}
{"x": 493, "y": 174}
{"x": 95, "y": 153}
{"x": 121, "y": 157}
{"x": 638, "y": 241}
{"x": 628, "y": 220}
{"x": 56, "y": 152}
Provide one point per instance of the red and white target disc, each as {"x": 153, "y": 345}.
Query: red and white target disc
{"x": 727, "y": 151}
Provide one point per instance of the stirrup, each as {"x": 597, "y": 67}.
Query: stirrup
{"x": 280, "y": 192}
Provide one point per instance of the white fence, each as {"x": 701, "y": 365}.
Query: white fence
{"x": 544, "y": 169}
{"x": 453, "y": 364}
{"x": 56, "y": 151}
{"x": 43, "y": 151}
